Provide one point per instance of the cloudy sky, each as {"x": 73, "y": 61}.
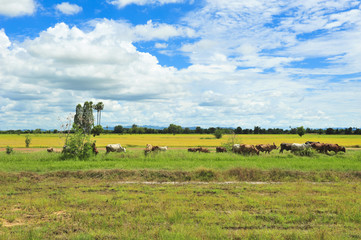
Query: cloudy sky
{"x": 268, "y": 63}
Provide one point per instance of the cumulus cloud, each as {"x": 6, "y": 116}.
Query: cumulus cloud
{"x": 68, "y": 9}
{"x": 17, "y": 8}
{"x": 249, "y": 64}
{"x": 123, "y": 3}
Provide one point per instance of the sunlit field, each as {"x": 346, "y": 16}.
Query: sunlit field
{"x": 179, "y": 140}
{"x": 179, "y": 194}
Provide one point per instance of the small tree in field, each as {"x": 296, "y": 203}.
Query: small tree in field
{"x": 27, "y": 141}
{"x": 218, "y": 133}
{"x": 301, "y": 131}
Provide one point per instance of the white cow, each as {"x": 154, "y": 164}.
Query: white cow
{"x": 115, "y": 148}
{"x": 163, "y": 148}
{"x": 299, "y": 147}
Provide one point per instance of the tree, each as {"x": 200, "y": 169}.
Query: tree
{"x": 218, "y": 133}
{"x": 84, "y": 118}
{"x": 99, "y": 107}
{"x": 118, "y": 129}
{"x": 301, "y": 131}
{"x": 97, "y": 130}
{"x": 174, "y": 129}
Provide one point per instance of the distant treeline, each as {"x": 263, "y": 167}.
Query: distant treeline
{"x": 176, "y": 129}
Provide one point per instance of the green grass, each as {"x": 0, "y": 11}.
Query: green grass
{"x": 179, "y": 160}
{"x": 72, "y": 208}
{"x": 294, "y": 197}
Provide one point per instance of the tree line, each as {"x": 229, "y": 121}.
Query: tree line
{"x": 176, "y": 129}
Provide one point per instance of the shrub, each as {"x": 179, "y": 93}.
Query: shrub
{"x": 232, "y": 139}
{"x": 9, "y": 150}
{"x": 77, "y": 145}
{"x": 27, "y": 141}
{"x": 218, "y": 133}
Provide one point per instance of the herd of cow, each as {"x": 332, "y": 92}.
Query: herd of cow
{"x": 237, "y": 148}
{"x": 267, "y": 148}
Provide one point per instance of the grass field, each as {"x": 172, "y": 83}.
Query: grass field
{"x": 177, "y": 194}
{"x": 179, "y": 140}
{"x": 93, "y": 208}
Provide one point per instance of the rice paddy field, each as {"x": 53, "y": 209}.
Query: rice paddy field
{"x": 178, "y": 194}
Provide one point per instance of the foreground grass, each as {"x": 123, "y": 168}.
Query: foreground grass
{"x": 179, "y": 160}
{"x": 179, "y": 140}
{"x": 95, "y": 208}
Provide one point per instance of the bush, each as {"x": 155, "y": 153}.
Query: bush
{"x": 232, "y": 139}
{"x": 27, "y": 141}
{"x": 9, "y": 150}
{"x": 218, "y": 133}
{"x": 77, "y": 145}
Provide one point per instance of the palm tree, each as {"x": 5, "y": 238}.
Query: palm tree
{"x": 99, "y": 107}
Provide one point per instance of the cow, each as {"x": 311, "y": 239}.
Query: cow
{"x": 285, "y": 146}
{"x": 298, "y": 147}
{"x": 163, "y": 149}
{"x": 245, "y": 149}
{"x": 94, "y": 148}
{"x": 221, "y": 149}
{"x": 192, "y": 149}
{"x": 115, "y": 148}
{"x": 334, "y": 147}
{"x": 50, "y": 149}
{"x": 157, "y": 148}
{"x": 266, "y": 147}
{"x": 148, "y": 149}
{"x": 320, "y": 147}
{"x": 204, "y": 150}
{"x": 236, "y": 148}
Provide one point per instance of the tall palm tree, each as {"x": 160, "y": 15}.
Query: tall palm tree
{"x": 99, "y": 107}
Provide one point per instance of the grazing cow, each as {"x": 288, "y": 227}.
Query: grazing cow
{"x": 163, "y": 149}
{"x": 248, "y": 149}
{"x": 334, "y": 147}
{"x": 236, "y": 148}
{"x": 94, "y": 148}
{"x": 320, "y": 147}
{"x": 204, "y": 150}
{"x": 285, "y": 146}
{"x": 192, "y": 149}
{"x": 266, "y": 147}
{"x": 298, "y": 147}
{"x": 221, "y": 149}
{"x": 115, "y": 148}
{"x": 50, "y": 149}
{"x": 245, "y": 149}
{"x": 157, "y": 148}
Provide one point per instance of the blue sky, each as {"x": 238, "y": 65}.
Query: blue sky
{"x": 194, "y": 63}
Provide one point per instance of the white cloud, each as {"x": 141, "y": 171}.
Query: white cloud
{"x": 248, "y": 66}
{"x": 68, "y": 9}
{"x": 160, "y": 45}
{"x": 17, "y": 8}
{"x": 123, "y": 3}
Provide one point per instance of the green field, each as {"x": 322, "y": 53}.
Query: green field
{"x": 181, "y": 195}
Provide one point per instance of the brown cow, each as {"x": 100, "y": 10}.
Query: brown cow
{"x": 192, "y": 149}
{"x": 50, "y": 149}
{"x": 266, "y": 147}
{"x": 334, "y": 147}
{"x": 285, "y": 146}
{"x": 221, "y": 149}
{"x": 204, "y": 150}
{"x": 320, "y": 147}
{"x": 246, "y": 149}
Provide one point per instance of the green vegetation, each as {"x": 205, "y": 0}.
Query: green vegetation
{"x": 27, "y": 140}
{"x": 180, "y": 160}
{"x": 63, "y": 207}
